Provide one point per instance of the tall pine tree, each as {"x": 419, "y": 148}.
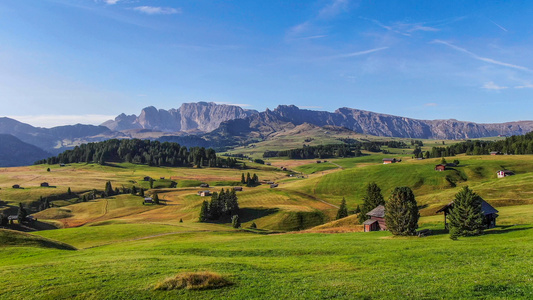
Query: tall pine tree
{"x": 371, "y": 200}
{"x": 401, "y": 212}
{"x": 343, "y": 210}
{"x": 204, "y": 212}
{"x": 465, "y": 217}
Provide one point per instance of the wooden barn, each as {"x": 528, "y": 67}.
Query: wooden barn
{"x": 496, "y": 153}
{"x": 237, "y": 188}
{"x": 204, "y": 185}
{"x": 204, "y": 193}
{"x": 489, "y": 212}
{"x": 504, "y": 173}
{"x": 274, "y": 185}
{"x": 387, "y": 161}
{"x": 440, "y": 167}
{"x": 148, "y": 200}
{"x": 16, "y": 186}
{"x": 377, "y": 219}
{"x": 45, "y": 184}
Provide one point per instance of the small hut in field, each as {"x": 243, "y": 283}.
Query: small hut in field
{"x": 490, "y": 214}
{"x": 45, "y": 184}
{"x": 377, "y": 219}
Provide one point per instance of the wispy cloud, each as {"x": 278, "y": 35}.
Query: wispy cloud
{"x": 405, "y": 29}
{"x": 314, "y": 27}
{"x": 59, "y": 120}
{"x": 358, "y": 53}
{"x": 481, "y": 58}
{"x": 156, "y": 10}
{"x": 432, "y": 104}
{"x": 111, "y": 2}
{"x": 524, "y": 86}
{"x": 498, "y": 25}
{"x": 493, "y": 86}
{"x": 333, "y": 9}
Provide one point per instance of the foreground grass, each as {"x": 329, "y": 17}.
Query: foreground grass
{"x": 351, "y": 265}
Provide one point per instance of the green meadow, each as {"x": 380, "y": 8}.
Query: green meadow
{"x": 119, "y": 248}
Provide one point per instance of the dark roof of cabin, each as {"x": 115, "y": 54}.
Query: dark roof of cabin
{"x": 387, "y": 159}
{"x": 486, "y": 208}
{"x": 369, "y": 222}
{"x": 379, "y": 212}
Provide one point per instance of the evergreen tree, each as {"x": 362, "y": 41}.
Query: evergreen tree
{"x": 134, "y": 190}
{"x": 214, "y": 212}
{"x": 3, "y": 220}
{"x": 204, "y": 212}
{"x": 141, "y": 192}
{"x": 108, "y": 189}
{"x": 401, "y": 212}
{"x": 181, "y": 220}
{"x": 443, "y": 161}
{"x": 151, "y": 183}
{"x": 156, "y": 198}
{"x": 235, "y": 222}
{"x": 371, "y": 200}
{"x": 117, "y": 191}
{"x": 343, "y": 210}
{"x": 243, "y": 181}
{"x": 255, "y": 180}
{"x": 248, "y": 179}
{"x": 22, "y": 213}
{"x": 253, "y": 226}
{"x": 465, "y": 217}
{"x": 232, "y": 204}
{"x": 69, "y": 192}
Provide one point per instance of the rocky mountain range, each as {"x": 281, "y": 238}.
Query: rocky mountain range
{"x": 218, "y": 125}
{"x": 190, "y": 117}
{"x": 286, "y": 116}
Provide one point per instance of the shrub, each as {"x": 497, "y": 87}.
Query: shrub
{"x": 193, "y": 281}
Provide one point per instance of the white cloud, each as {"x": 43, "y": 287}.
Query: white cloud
{"x": 334, "y": 8}
{"x": 525, "y": 86}
{"x": 111, "y": 2}
{"x": 359, "y": 53}
{"x": 59, "y": 120}
{"x": 403, "y": 28}
{"x": 155, "y": 10}
{"x": 481, "y": 58}
{"x": 492, "y": 86}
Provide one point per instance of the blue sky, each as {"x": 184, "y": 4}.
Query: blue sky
{"x": 72, "y": 61}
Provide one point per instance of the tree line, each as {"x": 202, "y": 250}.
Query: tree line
{"x": 516, "y": 144}
{"x": 221, "y": 204}
{"x": 152, "y": 153}
{"x": 321, "y": 151}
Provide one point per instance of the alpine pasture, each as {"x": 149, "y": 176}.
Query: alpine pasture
{"x": 119, "y": 248}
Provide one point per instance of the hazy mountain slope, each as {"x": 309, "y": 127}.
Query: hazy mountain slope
{"x": 14, "y": 152}
{"x": 201, "y": 116}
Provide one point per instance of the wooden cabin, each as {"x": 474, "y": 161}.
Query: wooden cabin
{"x": 387, "y": 161}
{"x": 16, "y": 186}
{"x": 204, "y": 185}
{"x": 204, "y": 193}
{"x": 148, "y": 200}
{"x": 377, "y": 219}
{"x": 504, "y": 173}
{"x": 440, "y": 167}
{"x": 490, "y": 214}
{"x": 45, "y": 184}
{"x": 274, "y": 185}
{"x": 237, "y": 188}
{"x": 496, "y": 153}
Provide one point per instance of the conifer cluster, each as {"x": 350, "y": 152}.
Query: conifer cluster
{"x": 223, "y": 203}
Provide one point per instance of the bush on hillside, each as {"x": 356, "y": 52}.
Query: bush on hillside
{"x": 193, "y": 281}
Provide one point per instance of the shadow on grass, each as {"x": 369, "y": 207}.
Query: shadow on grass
{"x": 506, "y": 229}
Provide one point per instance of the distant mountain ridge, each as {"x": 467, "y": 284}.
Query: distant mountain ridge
{"x": 14, "y": 152}
{"x": 218, "y": 125}
{"x": 201, "y": 116}
{"x": 366, "y": 122}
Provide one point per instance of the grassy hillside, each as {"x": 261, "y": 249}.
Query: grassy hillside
{"x": 348, "y": 266}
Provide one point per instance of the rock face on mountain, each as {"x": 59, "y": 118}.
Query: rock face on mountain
{"x": 285, "y": 116}
{"x": 14, "y": 152}
{"x": 201, "y": 116}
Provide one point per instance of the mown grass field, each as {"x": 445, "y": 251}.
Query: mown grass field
{"x": 124, "y": 248}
